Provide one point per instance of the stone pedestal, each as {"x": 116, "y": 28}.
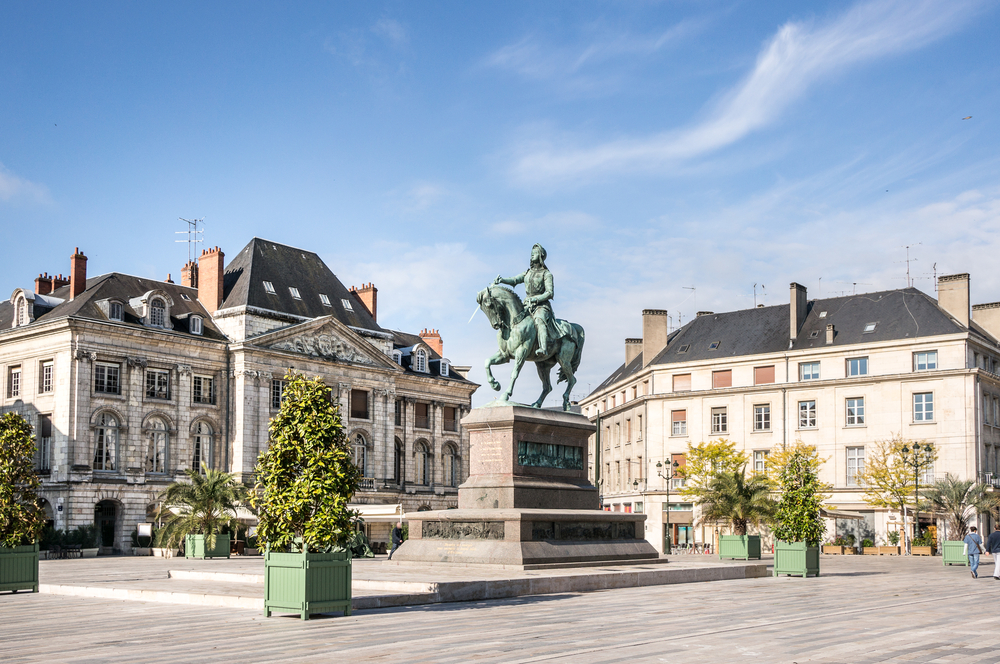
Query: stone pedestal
{"x": 528, "y": 501}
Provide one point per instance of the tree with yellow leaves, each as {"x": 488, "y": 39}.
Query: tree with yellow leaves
{"x": 887, "y": 476}
{"x": 706, "y": 461}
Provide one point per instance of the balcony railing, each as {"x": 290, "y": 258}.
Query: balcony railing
{"x": 421, "y": 422}
{"x": 367, "y": 484}
{"x": 450, "y": 425}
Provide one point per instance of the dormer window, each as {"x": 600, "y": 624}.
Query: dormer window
{"x": 21, "y": 317}
{"x": 195, "y": 325}
{"x": 116, "y": 311}
{"x": 295, "y": 292}
{"x": 325, "y": 300}
{"x": 269, "y": 287}
{"x": 444, "y": 367}
{"x": 420, "y": 361}
{"x": 397, "y": 357}
{"x": 157, "y": 312}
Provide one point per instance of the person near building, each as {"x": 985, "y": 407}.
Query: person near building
{"x": 397, "y": 538}
{"x": 993, "y": 547}
{"x": 974, "y": 544}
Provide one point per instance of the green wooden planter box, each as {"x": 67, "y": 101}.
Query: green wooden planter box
{"x": 19, "y": 568}
{"x": 739, "y": 547}
{"x": 194, "y": 547}
{"x": 307, "y": 583}
{"x": 952, "y": 554}
{"x": 795, "y": 558}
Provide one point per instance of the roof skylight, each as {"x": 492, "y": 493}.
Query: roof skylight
{"x": 347, "y": 305}
{"x": 295, "y": 292}
{"x": 870, "y": 327}
{"x": 325, "y": 300}
{"x": 269, "y": 287}
{"x": 714, "y": 345}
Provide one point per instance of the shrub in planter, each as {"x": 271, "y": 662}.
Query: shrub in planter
{"x": 798, "y": 525}
{"x": 21, "y": 518}
{"x": 741, "y": 501}
{"x": 200, "y": 513}
{"x": 893, "y": 538}
{"x": 305, "y": 480}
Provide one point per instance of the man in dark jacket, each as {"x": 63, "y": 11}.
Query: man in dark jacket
{"x": 397, "y": 538}
{"x": 993, "y": 547}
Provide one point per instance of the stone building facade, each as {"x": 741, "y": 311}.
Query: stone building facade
{"x": 837, "y": 373}
{"x": 130, "y": 381}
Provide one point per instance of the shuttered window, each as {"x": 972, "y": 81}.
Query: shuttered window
{"x": 678, "y": 419}
{"x": 682, "y": 383}
{"x": 722, "y": 378}
{"x": 763, "y": 375}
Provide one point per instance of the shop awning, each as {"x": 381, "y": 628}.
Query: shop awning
{"x": 390, "y": 513}
{"x": 841, "y": 514}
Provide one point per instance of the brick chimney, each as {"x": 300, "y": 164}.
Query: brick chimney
{"x": 654, "y": 333}
{"x": 189, "y": 275}
{"x": 433, "y": 339}
{"x": 953, "y": 296}
{"x": 368, "y": 296}
{"x": 77, "y": 274}
{"x": 799, "y": 303}
{"x": 59, "y": 282}
{"x": 43, "y": 284}
{"x": 168, "y": 280}
{"x": 211, "y": 264}
{"x": 632, "y": 349}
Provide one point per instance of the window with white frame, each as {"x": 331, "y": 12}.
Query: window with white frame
{"x": 678, "y": 419}
{"x": 397, "y": 357}
{"x": 203, "y": 439}
{"x": 927, "y": 474}
{"x": 157, "y": 443}
{"x": 45, "y": 376}
{"x": 195, "y": 325}
{"x": 444, "y": 368}
{"x": 116, "y": 311}
{"x": 760, "y": 461}
{"x": 420, "y": 361}
{"x": 21, "y": 313}
{"x": 762, "y": 417}
{"x": 106, "y": 442}
{"x": 13, "y": 382}
{"x": 157, "y": 312}
{"x": 203, "y": 389}
{"x": 809, "y": 371}
{"x": 923, "y": 406}
{"x": 295, "y": 292}
{"x": 807, "y": 414}
{"x": 107, "y": 378}
{"x": 857, "y": 366}
{"x": 347, "y": 305}
{"x": 277, "y": 392}
{"x": 269, "y": 288}
{"x": 856, "y": 411}
{"x": 925, "y": 361}
{"x": 157, "y": 384}
{"x": 855, "y": 464}
{"x": 325, "y": 300}
{"x": 720, "y": 420}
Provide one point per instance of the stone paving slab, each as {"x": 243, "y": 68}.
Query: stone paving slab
{"x": 859, "y": 611}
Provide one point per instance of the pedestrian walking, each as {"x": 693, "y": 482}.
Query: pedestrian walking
{"x": 993, "y": 547}
{"x": 397, "y": 538}
{"x": 974, "y": 545}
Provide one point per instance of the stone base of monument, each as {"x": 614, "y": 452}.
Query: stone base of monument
{"x": 527, "y": 501}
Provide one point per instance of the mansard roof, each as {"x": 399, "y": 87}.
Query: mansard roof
{"x": 286, "y": 267}
{"x": 404, "y": 342}
{"x": 898, "y": 315}
{"x": 121, "y": 288}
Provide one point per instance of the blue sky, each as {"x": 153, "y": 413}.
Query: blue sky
{"x": 652, "y": 147}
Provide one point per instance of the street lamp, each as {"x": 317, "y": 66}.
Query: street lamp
{"x": 919, "y": 457}
{"x": 670, "y": 469}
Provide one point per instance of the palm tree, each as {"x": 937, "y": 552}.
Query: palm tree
{"x": 204, "y": 506}
{"x": 958, "y": 501}
{"x": 740, "y": 500}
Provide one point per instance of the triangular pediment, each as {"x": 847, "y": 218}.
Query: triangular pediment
{"x": 325, "y": 339}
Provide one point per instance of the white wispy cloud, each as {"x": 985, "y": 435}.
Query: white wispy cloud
{"x": 14, "y": 188}
{"x": 391, "y": 30}
{"x": 798, "y": 56}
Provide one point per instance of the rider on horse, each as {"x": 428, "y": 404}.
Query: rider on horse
{"x": 538, "y": 288}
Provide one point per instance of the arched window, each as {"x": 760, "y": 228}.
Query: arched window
{"x": 397, "y": 357}
{"x": 157, "y": 443}
{"x": 116, "y": 311}
{"x": 452, "y": 466}
{"x": 360, "y": 450}
{"x": 421, "y": 361}
{"x": 157, "y": 312}
{"x": 21, "y": 316}
{"x": 423, "y": 466}
{"x": 203, "y": 452}
{"x": 106, "y": 449}
{"x": 397, "y": 463}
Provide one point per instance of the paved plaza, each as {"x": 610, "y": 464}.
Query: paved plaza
{"x": 862, "y": 609}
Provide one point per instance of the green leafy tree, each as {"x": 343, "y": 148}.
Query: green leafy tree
{"x": 307, "y": 476}
{"x": 797, "y": 518}
{"x": 205, "y": 505}
{"x": 736, "y": 499}
{"x": 21, "y": 518}
{"x": 958, "y": 501}
{"x": 887, "y": 477}
{"x": 706, "y": 461}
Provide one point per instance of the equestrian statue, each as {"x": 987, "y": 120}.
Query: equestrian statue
{"x": 529, "y": 331}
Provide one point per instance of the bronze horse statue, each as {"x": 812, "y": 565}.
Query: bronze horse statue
{"x": 518, "y": 341}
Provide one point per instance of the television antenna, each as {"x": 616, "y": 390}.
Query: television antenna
{"x": 909, "y": 281}
{"x": 193, "y": 235}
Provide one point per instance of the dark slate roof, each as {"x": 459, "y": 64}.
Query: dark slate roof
{"x": 403, "y": 341}
{"x": 898, "y": 314}
{"x": 287, "y": 267}
{"x": 122, "y": 287}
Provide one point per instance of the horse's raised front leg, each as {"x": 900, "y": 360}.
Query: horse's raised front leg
{"x": 519, "y": 357}
{"x": 565, "y": 358}
{"x": 497, "y": 358}
{"x": 544, "y": 369}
